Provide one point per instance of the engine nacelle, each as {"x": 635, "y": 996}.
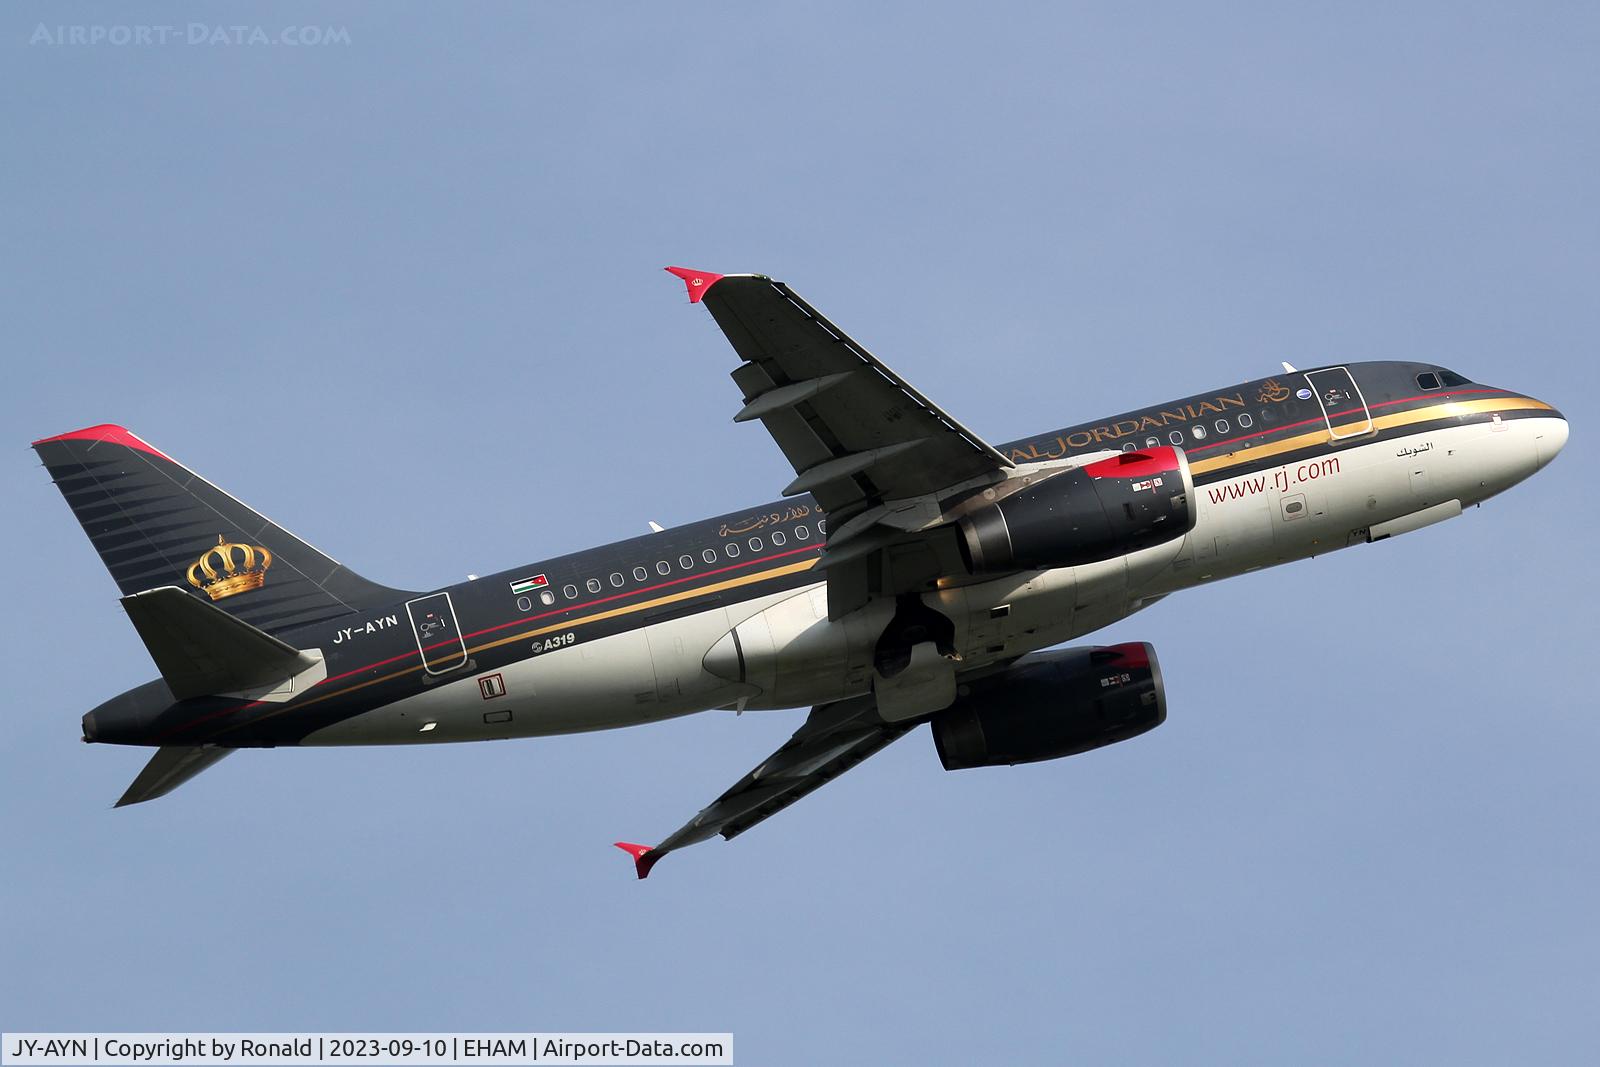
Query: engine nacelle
{"x": 1053, "y": 704}
{"x": 1099, "y": 511}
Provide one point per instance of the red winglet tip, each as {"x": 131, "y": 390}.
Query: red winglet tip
{"x": 110, "y": 433}
{"x": 643, "y": 857}
{"x": 698, "y": 281}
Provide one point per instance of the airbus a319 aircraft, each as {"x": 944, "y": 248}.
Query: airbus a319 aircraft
{"x": 911, "y": 572}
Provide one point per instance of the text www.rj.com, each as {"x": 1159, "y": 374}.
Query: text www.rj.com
{"x": 1280, "y": 479}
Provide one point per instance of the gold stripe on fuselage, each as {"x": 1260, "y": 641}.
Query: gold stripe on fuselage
{"x": 567, "y": 624}
{"x": 1446, "y": 410}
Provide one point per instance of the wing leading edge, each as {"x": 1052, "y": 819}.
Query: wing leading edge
{"x": 873, "y": 451}
{"x": 856, "y": 433}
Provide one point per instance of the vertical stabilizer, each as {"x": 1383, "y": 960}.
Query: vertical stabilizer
{"x": 157, "y": 523}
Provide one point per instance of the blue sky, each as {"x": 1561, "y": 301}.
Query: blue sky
{"x": 404, "y": 295}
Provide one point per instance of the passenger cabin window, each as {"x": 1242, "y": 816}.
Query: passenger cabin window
{"x": 802, "y": 531}
{"x": 755, "y": 544}
{"x": 616, "y": 579}
{"x": 547, "y": 598}
{"x": 570, "y": 592}
{"x": 663, "y": 568}
{"x": 777, "y": 537}
{"x": 686, "y": 562}
{"x": 593, "y": 585}
{"x": 1199, "y": 432}
{"x": 1222, "y": 425}
{"x": 1176, "y": 437}
{"x": 822, "y": 526}
{"x": 640, "y": 574}
{"x": 731, "y": 548}
{"x": 1245, "y": 421}
{"x": 709, "y": 555}
{"x": 1427, "y": 380}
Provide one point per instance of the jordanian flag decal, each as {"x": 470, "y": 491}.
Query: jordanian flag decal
{"x": 528, "y": 585}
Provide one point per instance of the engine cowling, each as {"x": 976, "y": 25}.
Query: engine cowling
{"x": 1086, "y": 514}
{"x": 1053, "y": 704}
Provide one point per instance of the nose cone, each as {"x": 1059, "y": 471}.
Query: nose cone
{"x": 1551, "y": 437}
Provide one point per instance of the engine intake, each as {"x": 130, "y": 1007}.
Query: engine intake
{"x": 1083, "y": 515}
{"x": 1053, "y": 704}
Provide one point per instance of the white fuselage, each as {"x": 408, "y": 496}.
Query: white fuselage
{"x": 799, "y": 657}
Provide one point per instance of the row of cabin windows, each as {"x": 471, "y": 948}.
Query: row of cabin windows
{"x": 664, "y": 568}
{"x": 1222, "y": 426}
{"x": 1245, "y": 420}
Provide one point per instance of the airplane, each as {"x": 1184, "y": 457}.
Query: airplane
{"x": 910, "y": 573}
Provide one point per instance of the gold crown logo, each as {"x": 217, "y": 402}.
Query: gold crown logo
{"x": 230, "y": 569}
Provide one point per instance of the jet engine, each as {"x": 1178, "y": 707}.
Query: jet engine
{"x": 1053, "y": 704}
{"x": 1084, "y": 514}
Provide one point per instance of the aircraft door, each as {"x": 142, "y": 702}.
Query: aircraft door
{"x": 1342, "y": 403}
{"x": 439, "y": 640}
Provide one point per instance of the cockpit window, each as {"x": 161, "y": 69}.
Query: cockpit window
{"x": 1427, "y": 380}
{"x": 1450, "y": 377}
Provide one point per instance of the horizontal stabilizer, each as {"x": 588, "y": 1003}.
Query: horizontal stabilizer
{"x": 169, "y": 768}
{"x": 201, "y": 649}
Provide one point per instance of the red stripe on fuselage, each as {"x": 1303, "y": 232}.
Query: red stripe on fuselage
{"x": 209, "y": 716}
{"x": 1321, "y": 419}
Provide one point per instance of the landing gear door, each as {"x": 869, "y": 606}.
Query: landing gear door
{"x": 439, "y": 640}
{"x": 1342, "y": 403}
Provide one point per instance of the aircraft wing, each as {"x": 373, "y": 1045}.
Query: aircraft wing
{"x": 835, "y": 738}
{"x": 864, "y": 443}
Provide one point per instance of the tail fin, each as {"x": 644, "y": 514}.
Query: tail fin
{"x": 157, "y": 523}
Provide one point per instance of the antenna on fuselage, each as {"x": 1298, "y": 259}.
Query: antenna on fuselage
{"x": 1287, "y": 366}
